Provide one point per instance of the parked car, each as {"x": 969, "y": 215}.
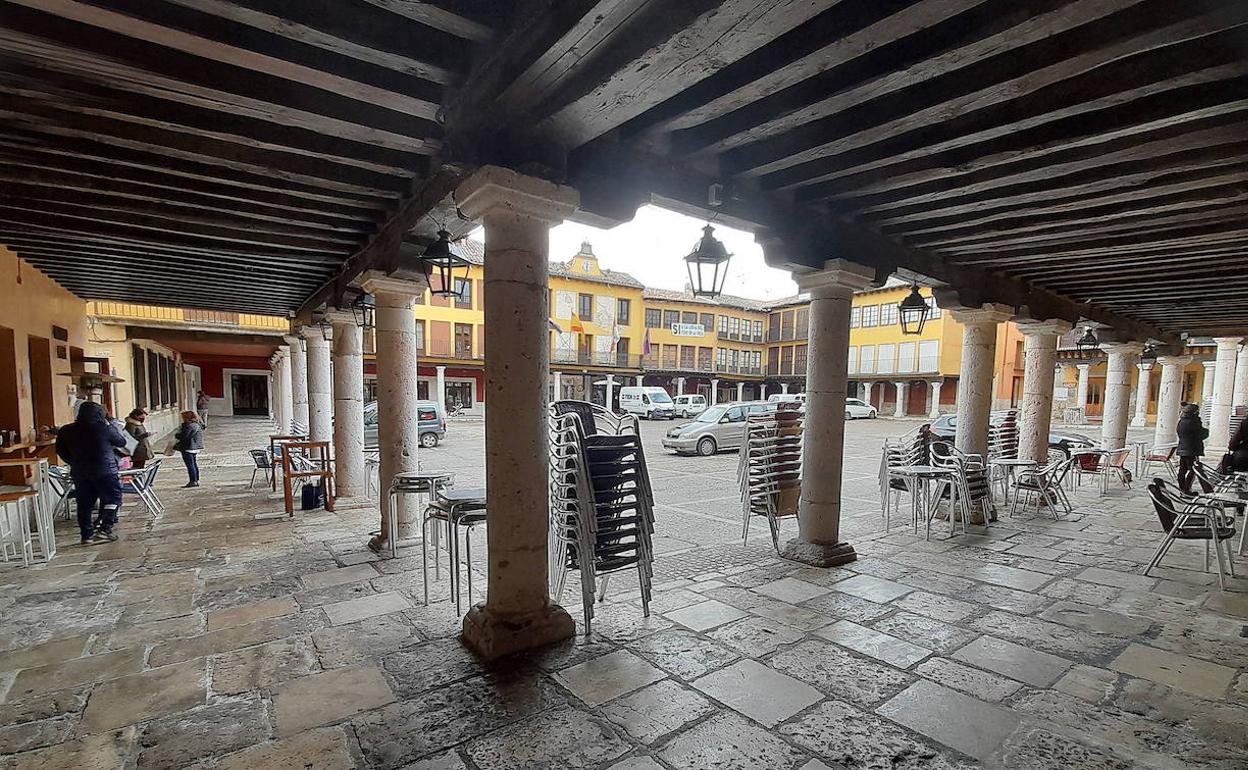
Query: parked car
{"x": 432, "y": 423}
{"x": 650, "y": 403}
{"x": 945, "y": 427}
{"x": 690, "y": 404}
{"x": 718, "y": 428}
{"x": 776, "y": 398}
{"x": 856, "y": 408}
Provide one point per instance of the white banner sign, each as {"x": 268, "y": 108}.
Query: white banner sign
{"x": 688, "y": 330}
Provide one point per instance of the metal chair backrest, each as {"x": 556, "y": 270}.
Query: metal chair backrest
{"x": 261, "y": 458}
{"x": 1163, "y": 504}
{"x": 1118, "y": 458}
{"x": 584, "y": 412}
{"x": 1089, "y": 461}
{"x": 1162, "y": 453}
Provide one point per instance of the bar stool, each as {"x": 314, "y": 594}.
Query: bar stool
{"x": 455, "y": 508}
{"x": 17, "y": 506}
{"x": 419, "y": 483}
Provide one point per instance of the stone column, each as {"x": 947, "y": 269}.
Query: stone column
{"x": 350, "y": 473}
{"x": 518, "y": 212}
{"x": 320, "y": 386}
{"x": 1040, "y": 354}
{"x": 610, "y": 390}
{"x": 1223, "y": 391}
{"x": 641, "y": 380}
{"x": 1143, "y": 389}
{"x": 680, "y": 386}
{"x": 933, "y": 398}
{"x": 740, "y": 391}
{"x": 1240, "y": 395}
{"x": 714, "y": 392}
{"x": 1211, "y": 375}
{"x": 440, "y": 384}
{"x": 398, "y": 420}
{"x": 975, "y": 377}
{"x": 784, "y": 388}
{"x": 827, "y": 381}
{"x": 1081, "y": 390}
{"x": 864, "y": 391}
{"x": 285, "y": 390}
{"x": 1122, "y": 359}
{"x": 903, "y": 393}
{"x": 1169, "y": 398}
{"x": 298, "y": 382}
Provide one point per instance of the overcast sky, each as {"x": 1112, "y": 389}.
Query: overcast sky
{"x": 652, "y": 248}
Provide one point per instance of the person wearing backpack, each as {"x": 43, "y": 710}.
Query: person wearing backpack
{"x": 1192, "y": 434}
{"x": 189, "y": 441}
{"x": 89, "y": 444}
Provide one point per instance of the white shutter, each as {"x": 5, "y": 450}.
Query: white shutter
{"x": 886, "y": 359}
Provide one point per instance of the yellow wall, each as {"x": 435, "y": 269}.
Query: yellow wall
{"x": 125, "y": 311}
{"x": 31, "y": 308}
{"x": 109, "y": 341}
{"x": 662, "y": 336}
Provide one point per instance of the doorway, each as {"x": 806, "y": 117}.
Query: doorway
{"x": 42, "y": 395}
{"x": 10, "y": 401}
{"x": 250, "y": 394}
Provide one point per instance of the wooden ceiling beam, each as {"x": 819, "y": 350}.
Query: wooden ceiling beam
{"x": 1196, "y": 235}
{"x": 1143, "y": 265}
{"x": 273, "y": 272}
{"x": 85, "y": 237}
{"x": 453, "y": 21}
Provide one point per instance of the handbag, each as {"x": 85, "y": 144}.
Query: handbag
{"x": 312, "y": 497}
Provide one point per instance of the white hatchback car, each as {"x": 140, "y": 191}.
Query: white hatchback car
{"x": 690, "y": 404}
{"x": 856, "y": 407}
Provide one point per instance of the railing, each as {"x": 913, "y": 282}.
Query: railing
{"x": 596, "y": 358}
{"x": 458, "y": 355}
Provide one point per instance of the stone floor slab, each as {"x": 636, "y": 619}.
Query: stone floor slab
{"x": 138, "y": 697}
{"x": 728, "y": 741}
{"x": 871, "y": 588}
{"x": 250, "y": 613}
{"x": 263, "y": 666}
{"x": 93, "y": 668}
{"x": 603, "y": 678}
{"x": 1182, "y": 672}
{"x": 182, "y": 738}
{"x": 339, "y": 576}
{"x": 760, "y": 693}
{"x": 859, "y": 740}
{"x": 351, "y": 610}
{"x": 322, "y": 749}
{"x": 890, "y": 649}
{"x": 1014, "y": 661}
{"x": 658, "y": 710}
{"x": 972, "y": 681}
{"x": 833, "y": 671}
{"x": 683, "y": 653}
{"x": 319, "y": 699}
{"x": 565, "y": 738}
{"x": 755, "y": 637}
{"x": 791, "y": 590}
{"x": 705, "y": 615}
{"x": 959, "y": 721}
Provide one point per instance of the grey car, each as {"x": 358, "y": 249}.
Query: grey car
{"x": 720, "y": 427}
{"x": 432, "y": 423}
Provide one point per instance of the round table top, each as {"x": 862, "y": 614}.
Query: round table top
{"x": 919, "y": 470}
{"x": 424, "y": 475}
{"x": 1013, "y": 461}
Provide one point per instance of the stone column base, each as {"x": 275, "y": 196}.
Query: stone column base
{"x": 492, "y": 637}
{"x": 361, "y": 501}
{"x": 1139, "y": 423}
{"x": 818, "y": 554}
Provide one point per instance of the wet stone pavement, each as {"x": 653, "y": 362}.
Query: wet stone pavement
{"x": 220, "y": 636}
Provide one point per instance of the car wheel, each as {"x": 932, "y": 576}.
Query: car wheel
{"x": 849, "y": 415}
{"x": 428, "y": 440}
{"x": 872, "y": 415}
{"x": 706, "y": 447}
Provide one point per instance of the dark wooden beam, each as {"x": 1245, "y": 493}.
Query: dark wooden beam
{"x": 164, "y": 249}
{"x": 381, "y": 250}
{"x": 134, "y": 331}
{"x": 230, "y": 268}
{"x": 468, "y": 26}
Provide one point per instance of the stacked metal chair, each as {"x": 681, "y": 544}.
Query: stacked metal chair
{"x": 769, "y": 468}
{"x": 601, "y": 502}
{"x": 972, "y": 489}
{"x": 907, "y": 450}
{"x": 1002, "y": 444}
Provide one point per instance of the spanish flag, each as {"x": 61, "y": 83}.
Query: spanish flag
{"x": 577, "y": 326}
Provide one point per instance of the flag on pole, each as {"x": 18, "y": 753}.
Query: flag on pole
{"x": 553, "y": 327}
{"x": 577, "y": 326}
{"x": 645, "y": 344}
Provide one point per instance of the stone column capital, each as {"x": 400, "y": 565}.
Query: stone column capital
{"x": 1209, "y": 364}
{"x": 1227, "y": 342}
{"x": 391, "y": 291}
{"x": 1051, "y": 326}
{"x": 293, "y": 341}
{"x": 340, "y": 317}
{"x": 838, "y": 278}
{"x": 493, "y": 188}
{"x": 1123, "y": 348}
{"x": 1082, "y": 367}
{"x": 314, "y": 336}
{"x": 440, "y": 368}
{"x": 987, "y": 313}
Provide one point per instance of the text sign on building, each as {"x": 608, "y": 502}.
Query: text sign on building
{"x": 688, "y": 330}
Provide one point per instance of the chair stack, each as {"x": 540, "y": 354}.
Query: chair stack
{"x": 970, "y": 478}
{"x": 601, "y": 501}
{"x": 769, "y": 469}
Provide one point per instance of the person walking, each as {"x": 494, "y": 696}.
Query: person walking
{"x": 135, "y": 427}
{"x": 1192, "y": 435}
{"x": 89, "y": 444}
{"x": 1238, "y": 449}
{"x": 189, "y": 441}
{"x": 201, "y": 408}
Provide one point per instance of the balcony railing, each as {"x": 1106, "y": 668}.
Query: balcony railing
{"x": 596, "y": 358}
{"x": 458, "y": 355}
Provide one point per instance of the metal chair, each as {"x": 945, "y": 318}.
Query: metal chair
{"x": 1162, "y": 455}
{"x": 140, "y": 483}
{"x": 456, "y": 508}
{"x": 18, "y": 506}
{"x": 62, "y": 485}
{"x": 1191, "y": 519}
{"x": 263, "y": 462}
{"x": 1044, "y": 487}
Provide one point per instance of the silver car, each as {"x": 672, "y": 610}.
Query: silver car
{"x": 432, "y": 423}
{"x": 720, "y": 427}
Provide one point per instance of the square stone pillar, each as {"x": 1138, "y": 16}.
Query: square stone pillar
{"x": 518, "y": 212}
{"x": 298, "y": 382}
{"x": 1223, "y": 391}
{"x": 976, "y": 378}
{"x": 1040, "y": 354}
{"x": 831, "y": 293}
{"x": 398, "y": 419}
{"x": 1169, "y": 398}
{"x": 1122, "y": 359}
{"x": 320, "y": 385}
{"x": 350, "y": 472}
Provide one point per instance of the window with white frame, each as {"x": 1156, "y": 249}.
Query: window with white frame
{"x": 855, "y": 317}
{"x": 866, "y": 360}
{"x": 931, "y": 302}
{"x": 886, "y": 358}
{"x": 905, "y": 357}
{"x": 871, "y": 316}
{"x": 888, "y": 315}
{"x": 929, "y": 355}
{"x": 852, "y": 368}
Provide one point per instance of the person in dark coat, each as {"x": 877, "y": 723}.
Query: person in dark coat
{"x": 1239, "y": 448}
{"x": 135, "y": 427}
{"x": 189, "y": 440}
{"x": 89, "y": 444}
{"x": 1192, "y": 435}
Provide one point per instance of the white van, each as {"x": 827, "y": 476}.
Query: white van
{"x": 776, "y": 398}
{"x": 690, "y": 404}
{"x": 649, "y": 402}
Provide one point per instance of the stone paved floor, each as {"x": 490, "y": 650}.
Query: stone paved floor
{"x": 213, "y": 639}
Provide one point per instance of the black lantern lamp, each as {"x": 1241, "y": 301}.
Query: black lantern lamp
{"x": 708, "y": 265}
{"x": 1148, "y": 358}
{"x": 321, "y": 321}
{"x": 913, "y": 312}
{"x": 441, "y": 260}
{"x": 362, "y": 311}
{"x": 1088, "y": 343}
